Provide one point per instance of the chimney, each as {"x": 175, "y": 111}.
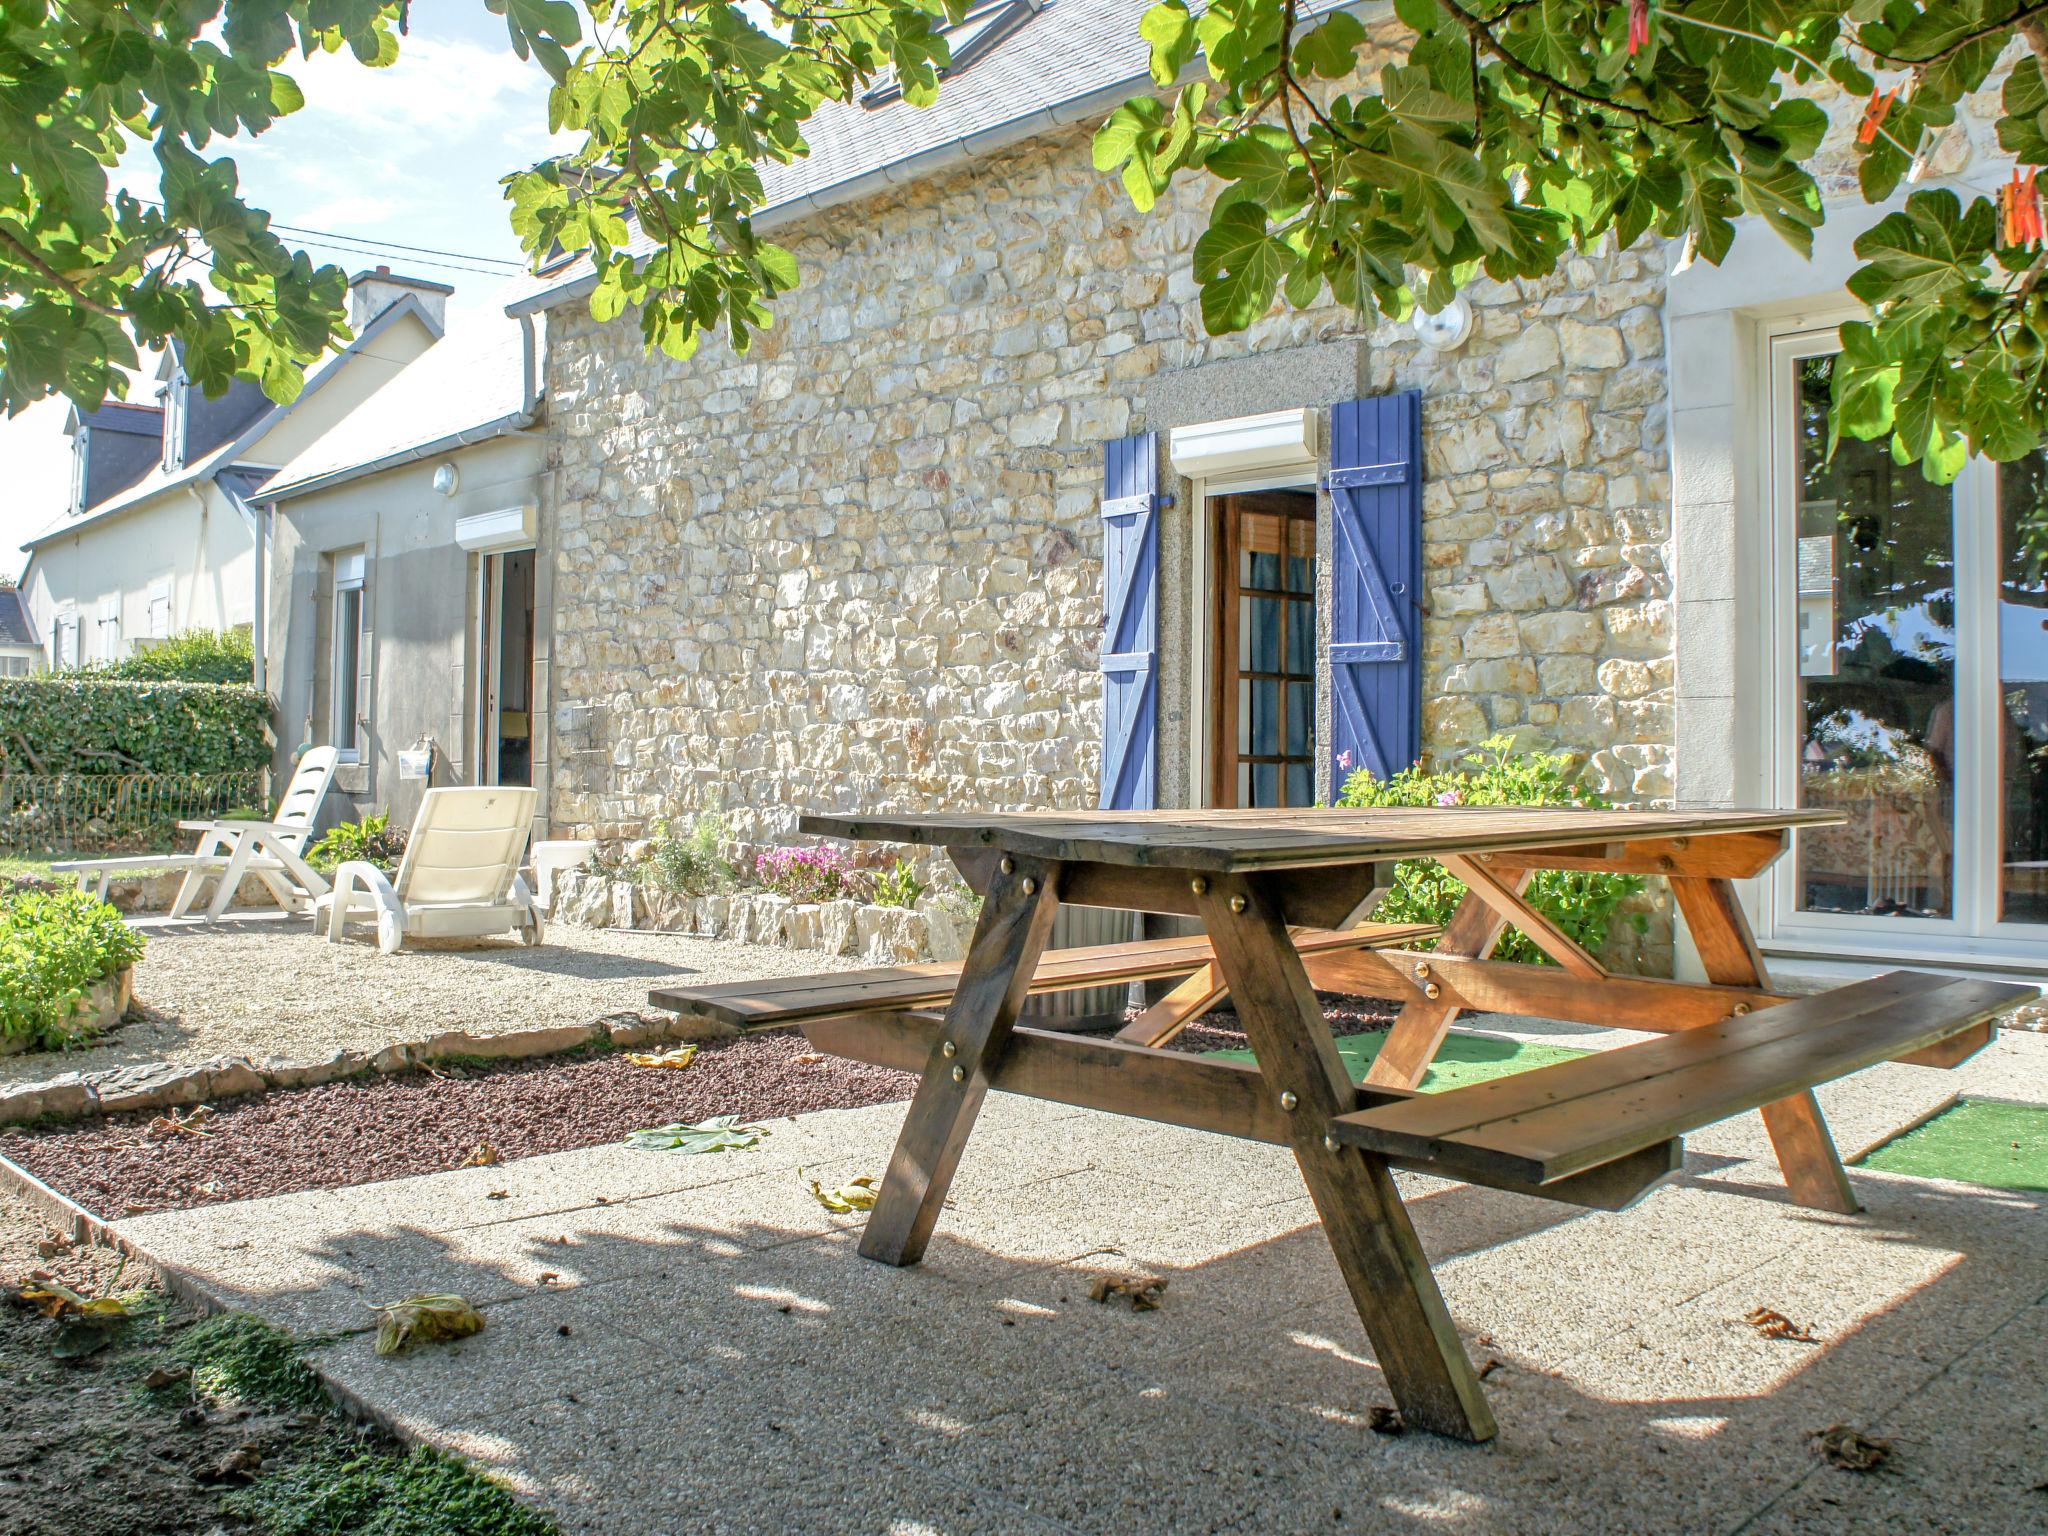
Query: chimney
{"x": 371, "y": 293}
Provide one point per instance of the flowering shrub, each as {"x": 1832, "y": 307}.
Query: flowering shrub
{"x": 1584, "y": 904}
{"x": 804, "y": 874}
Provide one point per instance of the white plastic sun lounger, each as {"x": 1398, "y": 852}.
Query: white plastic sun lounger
{"x": 459, "y": 878}
{"x": 273, "y": 851}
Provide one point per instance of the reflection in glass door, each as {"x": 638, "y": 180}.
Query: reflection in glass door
{"x": 2023, "y": 690}
{"x": 1909, "y": 684}
{"x": 1876, "y": 686}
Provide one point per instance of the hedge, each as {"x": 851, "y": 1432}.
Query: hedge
{"x": 67, "y": 723}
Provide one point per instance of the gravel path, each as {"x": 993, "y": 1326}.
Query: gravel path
{"x": 273, "y": 988}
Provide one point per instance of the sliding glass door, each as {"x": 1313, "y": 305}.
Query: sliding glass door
{"x": 1908, "y": 688}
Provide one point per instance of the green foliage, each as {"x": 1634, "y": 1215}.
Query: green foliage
{"x": 1583, "y": 904}
{"x": 1507, "y": 136}
{"x": 897, "y": 886}
{"x": 370, "y": 840}
{"x": 420, "y": 1492}
{"x": 55, "y": 946}
{"x": 196, "y": 656}
{"x": 688, "y": 863}
{"x": 240, "y": 1359}
{"x": 59, "y": 723}
{"x": 1490, "y": 136}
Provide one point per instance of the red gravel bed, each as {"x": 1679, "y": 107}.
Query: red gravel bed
{"x": 373, "y": 1128}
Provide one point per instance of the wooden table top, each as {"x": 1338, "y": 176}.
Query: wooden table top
{"x": 1239, "y": 841}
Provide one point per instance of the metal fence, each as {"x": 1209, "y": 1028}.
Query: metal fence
{"x": 115, "y": 812}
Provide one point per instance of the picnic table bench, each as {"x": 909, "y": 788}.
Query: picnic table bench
{"x": 1285, "y": 899}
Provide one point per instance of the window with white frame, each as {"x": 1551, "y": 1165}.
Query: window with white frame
{"x": 174, "y": 422}
{"x": 160, "y": 610}
{"x": 349, "y": 657}
{"x": 81, "y": 456}
{"x": 13, "y": 666}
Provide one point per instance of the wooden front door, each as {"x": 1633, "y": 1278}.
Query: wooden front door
{"x": 1265, "y": 626}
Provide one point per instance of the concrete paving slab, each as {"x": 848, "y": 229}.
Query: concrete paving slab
{"x": 731, "y": 1363}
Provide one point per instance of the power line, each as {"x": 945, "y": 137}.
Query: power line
{"x": 370, "y": 245}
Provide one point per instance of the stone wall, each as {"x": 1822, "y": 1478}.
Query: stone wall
{"x": 859, "y": 566}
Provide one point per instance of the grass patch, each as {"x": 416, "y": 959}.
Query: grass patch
{"x": 1462, "y": 1059}
{"x": 237, "y": 1358}
{"x": 384, "y": 1493}
{"x": 1975, "y": 1141}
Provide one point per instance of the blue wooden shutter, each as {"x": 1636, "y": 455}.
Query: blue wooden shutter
{"x": 1130, "y": 624}
{"x": 1376, "y": 563}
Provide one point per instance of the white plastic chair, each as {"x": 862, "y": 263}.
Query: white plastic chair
{"x": 273, "y": 851}
{"x": 459, "y": 877}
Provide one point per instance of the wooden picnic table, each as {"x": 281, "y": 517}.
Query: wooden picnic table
{"x": 1597, "y": 1131}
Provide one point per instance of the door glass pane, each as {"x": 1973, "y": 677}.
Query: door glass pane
{"x": 1298, "y": 790}
{"x": 1258, "y": 627}
{"x": 1301, "y": 706}
{"x": 348, "y": 653}
{"x": 1301, "y": 639}
{"x": 1265, "y": 784}
{"x": 1259, "y": 724}
{"x": 1875, "y": 560}
{"x": 2023, "y": 690}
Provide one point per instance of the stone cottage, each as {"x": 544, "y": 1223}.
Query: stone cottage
{"x": 988, "y": 519}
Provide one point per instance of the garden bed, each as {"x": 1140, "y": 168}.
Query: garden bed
{"x": 371, "y": 1129}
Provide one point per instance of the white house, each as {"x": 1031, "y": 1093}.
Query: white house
{"x": 161, "y": 535}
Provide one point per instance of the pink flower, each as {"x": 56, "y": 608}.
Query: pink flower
{"x": 1451, "y": 797}
{"x": 1344, "y": 760}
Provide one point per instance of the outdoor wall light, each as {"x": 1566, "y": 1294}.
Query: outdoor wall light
{"x": 1448, "y": 329}
{"x": 446, "y": 479}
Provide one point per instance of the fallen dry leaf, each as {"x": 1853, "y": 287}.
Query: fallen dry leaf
{"x": 1776, "y": 1325}
{"x": 1144, "y": 1291}
{"x": 50, "y": 1247}
{"x": 482, "y": 1155}
{"x": 808, "y": 1058}
{"x": 859, "y": 1195}
{"x": 167, "y": 1376}
{"x": 424, "y": 1319}
{"x": 1383, "y": 1420}
{"x": 675, "y": 1059}
{"x": 1493, "y": 1363}
{"x": 499, "y": 1194}
{"x": 1851, "y": 1449}
{"x": 548, "y": 1277}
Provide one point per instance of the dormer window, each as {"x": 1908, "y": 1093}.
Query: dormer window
{"x": 972, "y": 37}
{"x": 81, "y": 455}
{"x": 174, "y": 422}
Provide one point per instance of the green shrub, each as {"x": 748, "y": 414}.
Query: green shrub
{"x": 1582, "y": 903}
{"x": 370, "y": 840}
{"x": 688, "y": 864}
{"x": 85, "y": 723}
{"x": 897, "y": 886}
{"x": 196, "y": 656}
{"x": 55, "y": 946}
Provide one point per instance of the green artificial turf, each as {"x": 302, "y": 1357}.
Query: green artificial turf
{"x": 1974, "y": 1141}
{"x": 1463, "y": 1058}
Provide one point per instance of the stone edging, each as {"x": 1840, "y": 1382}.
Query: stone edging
{"x": 880, "y": 935}
{"x": 166, "y": 1085}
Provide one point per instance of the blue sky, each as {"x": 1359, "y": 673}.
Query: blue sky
{"x": 410, "y": 154}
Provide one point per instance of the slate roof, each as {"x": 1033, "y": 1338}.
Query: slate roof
{"x": 469, "y": 380}
{"x": 16, "y": 627}
{"x": 1072, "y": 62}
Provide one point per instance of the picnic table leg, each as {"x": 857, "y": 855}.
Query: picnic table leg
{"x": 1728, "y": 952}
{"x": 1383, "y": 1264}
{"x": 1419, "y": 1029}
{"x": 1016, "y": 920}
